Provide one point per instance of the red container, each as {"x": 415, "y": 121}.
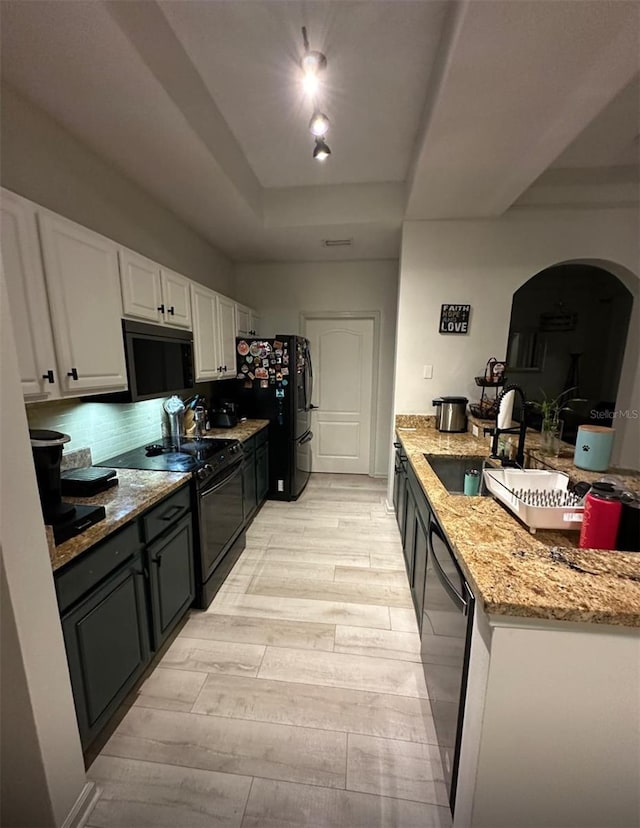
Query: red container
{"x": 601, "y": 518}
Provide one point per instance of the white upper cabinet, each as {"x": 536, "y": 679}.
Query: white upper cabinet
{"x": 28, "y": 298}
{"x": 141, "y": 289}
{"x": 176, "y": 299}
{"x": 247, "y": 322}
{"x": 227, "y": 336}
{"x": 83, "y": 283}
{"x": 204, "y": 304}
{"x": 153, "y": 293}
{"x": 214, "y": 334}
{"x": 243, "y": 320}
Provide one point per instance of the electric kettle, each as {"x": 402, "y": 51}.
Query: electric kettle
{"x": 451, "y": 413}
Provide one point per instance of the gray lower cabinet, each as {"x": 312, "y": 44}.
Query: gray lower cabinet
{"x": 107, "y": 642}
{"x": 255, "y": 473}
{"x": 119, "y": 601}
{"x": 171, "y": 578}
{"x": 414, "y": 527}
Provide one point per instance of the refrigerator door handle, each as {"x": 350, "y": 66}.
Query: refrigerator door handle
{"x": 306, "y": 438}
{"x": 310, "y": 373}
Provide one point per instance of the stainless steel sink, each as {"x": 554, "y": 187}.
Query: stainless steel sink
{"x": 451, "y": 470}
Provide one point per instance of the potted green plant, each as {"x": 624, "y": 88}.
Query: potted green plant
{"x": 551, "y": 427}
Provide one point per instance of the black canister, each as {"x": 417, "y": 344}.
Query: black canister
{"x": 628, "y": 539}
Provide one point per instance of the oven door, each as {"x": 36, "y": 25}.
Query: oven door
{"x": 220, "y": 517}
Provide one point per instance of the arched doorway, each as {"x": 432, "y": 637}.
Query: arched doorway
{"x": 567, "y": 333}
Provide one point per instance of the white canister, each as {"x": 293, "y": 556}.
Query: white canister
{"x": 594, "y": 445}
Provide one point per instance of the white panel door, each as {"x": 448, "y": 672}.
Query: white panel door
{"x": 204, "y": 306}
{"x": 342, "y": 356}
{"x": 141, "y": 291}
{"x": 20, "y": 249}
{"x": 83, "y": 283}
{"x": 176, "y": 298}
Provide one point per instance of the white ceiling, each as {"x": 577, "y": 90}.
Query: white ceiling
{"x": 438, "y": 108}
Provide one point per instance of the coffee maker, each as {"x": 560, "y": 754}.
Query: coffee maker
{"x": 66, "y": 519}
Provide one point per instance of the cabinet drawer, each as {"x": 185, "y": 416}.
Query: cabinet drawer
{"x": 261, "y": 437}
{"x": 89, "y": 569}
{"x": 161, "y": 517}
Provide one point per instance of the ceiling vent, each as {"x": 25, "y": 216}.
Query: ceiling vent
{"x": 337, "y": 242}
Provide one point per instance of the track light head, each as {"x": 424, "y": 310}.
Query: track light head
{"x": 319, "y": 124}
{"x": 321, "y": 150}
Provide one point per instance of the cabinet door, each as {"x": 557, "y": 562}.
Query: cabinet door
{"x": 141, "y": 291}
{"x": 106, "y": 639}
{"x": 172, "y": 586}
{"x": 227, "y": 336}
{"x": 243, "y": 320}
{"x": 205, "y": 332}
{"x": 262, "y": 472}
{"x": 249, "y": 498}
{"x": 83, "y": 283}
{"x": 28, "y": 299}
{"x": 408, "y": 543}
{"x": 255, "y": 324}
{"x": 419, "y": 566}
{"x": 176, "y": 298}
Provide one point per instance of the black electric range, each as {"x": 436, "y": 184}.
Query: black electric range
{"x": 205, "y": 458}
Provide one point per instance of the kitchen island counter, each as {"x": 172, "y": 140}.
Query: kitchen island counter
{"x": 136, "y": 492}
{"x": 514, "y": 573}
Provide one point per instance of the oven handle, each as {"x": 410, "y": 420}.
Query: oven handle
{"x": 217, "y": 486}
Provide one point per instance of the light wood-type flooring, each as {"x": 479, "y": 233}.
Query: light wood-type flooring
{"x": 298, "y": 698}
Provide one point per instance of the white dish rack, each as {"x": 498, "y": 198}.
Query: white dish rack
{"x": 540, "y": 499}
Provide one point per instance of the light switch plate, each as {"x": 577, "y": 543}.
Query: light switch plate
{"x": 427, "y": 372}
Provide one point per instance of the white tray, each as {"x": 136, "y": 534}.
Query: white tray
{"x": 503, "y": 483}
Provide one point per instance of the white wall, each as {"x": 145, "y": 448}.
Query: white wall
{"x": 482, "y": 263}
{"x": 42, "y": 767}
{"x": 281, "y": 291}
{"x": 44, "y": 162}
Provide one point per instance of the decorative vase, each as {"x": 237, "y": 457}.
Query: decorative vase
{"x": 551, "y": 437}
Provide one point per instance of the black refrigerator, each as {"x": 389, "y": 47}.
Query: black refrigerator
{"x": 274, "y": 382}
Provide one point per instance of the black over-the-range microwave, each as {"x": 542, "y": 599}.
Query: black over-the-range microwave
{"x": 159, "y": 362}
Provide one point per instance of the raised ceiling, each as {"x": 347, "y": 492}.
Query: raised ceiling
{"x": 438, "y": 109}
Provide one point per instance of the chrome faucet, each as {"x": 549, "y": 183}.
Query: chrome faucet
{"x": 520, "y": 430}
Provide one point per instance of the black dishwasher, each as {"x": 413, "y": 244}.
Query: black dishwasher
{"x": 447, "y": 618}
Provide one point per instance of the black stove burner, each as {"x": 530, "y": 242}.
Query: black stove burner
{"x": 191, "y": 454}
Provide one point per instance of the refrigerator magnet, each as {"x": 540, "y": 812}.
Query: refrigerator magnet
{"x": 244, "y": 368}
{"x": 240, "y": 376}
{"x": 277, "y": 344}
{"x": 279, "y": 393}
{"x": 251, "y": 375}
{"x": 285, "y": 359}
{"x": 279, "y": 376}
{"x": 248, "y": 384}
{"x": 285, "y": 371}
{"x": 243, "y": 348}
{"x": 265, "y": 363}
{"x": 278, "y": 352}
{"x": 264, "y": 383}
{"x": 254, "y": 349}
{"x": 285, "y": 382}
{"x": 262, "y": 373}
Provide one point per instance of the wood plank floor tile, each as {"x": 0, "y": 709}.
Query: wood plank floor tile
{"x": 403, "y": 620}
{"x": 403, "y": 646}
{"x": 210, "y": 656}
{"x": 292, "y": 609}
{"x": 285, "y": 805}
{"x": 171, "y": 689}
{"x": 327, "y": 708}
{"x": 389, "y": 767}
{"x": 352, "y": 574}
{"x": 135, "y": 794}
{"x": 242, "y": 628}
{"x": 379, "y": 594}
{"x": 354, "y": 672}
{"x": 248, "y": 748}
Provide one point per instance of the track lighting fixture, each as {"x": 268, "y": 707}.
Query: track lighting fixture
{"x": 319, "y": 123}
{"x": 313, "y": 63}
{"x": 321, "y": 150}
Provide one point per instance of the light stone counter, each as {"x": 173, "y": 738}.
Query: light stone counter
{"x": 512, "y": 572}
{"x": 136, "y": 492}
{"x": 243, "y": 431}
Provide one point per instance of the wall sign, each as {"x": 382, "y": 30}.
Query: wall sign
{"x": 454, "y": 319}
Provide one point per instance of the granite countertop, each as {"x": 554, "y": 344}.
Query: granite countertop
{"x": 243, "y": 431}
{"x": 512, "y": 572}
{"x": 136, "y": 492}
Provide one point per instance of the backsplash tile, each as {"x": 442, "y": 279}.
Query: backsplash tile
{"x": 105, "y": 428}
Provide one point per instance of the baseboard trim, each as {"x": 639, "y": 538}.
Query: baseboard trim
{"x": 389, "y": 507}
{"x": 83, "y": 806}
